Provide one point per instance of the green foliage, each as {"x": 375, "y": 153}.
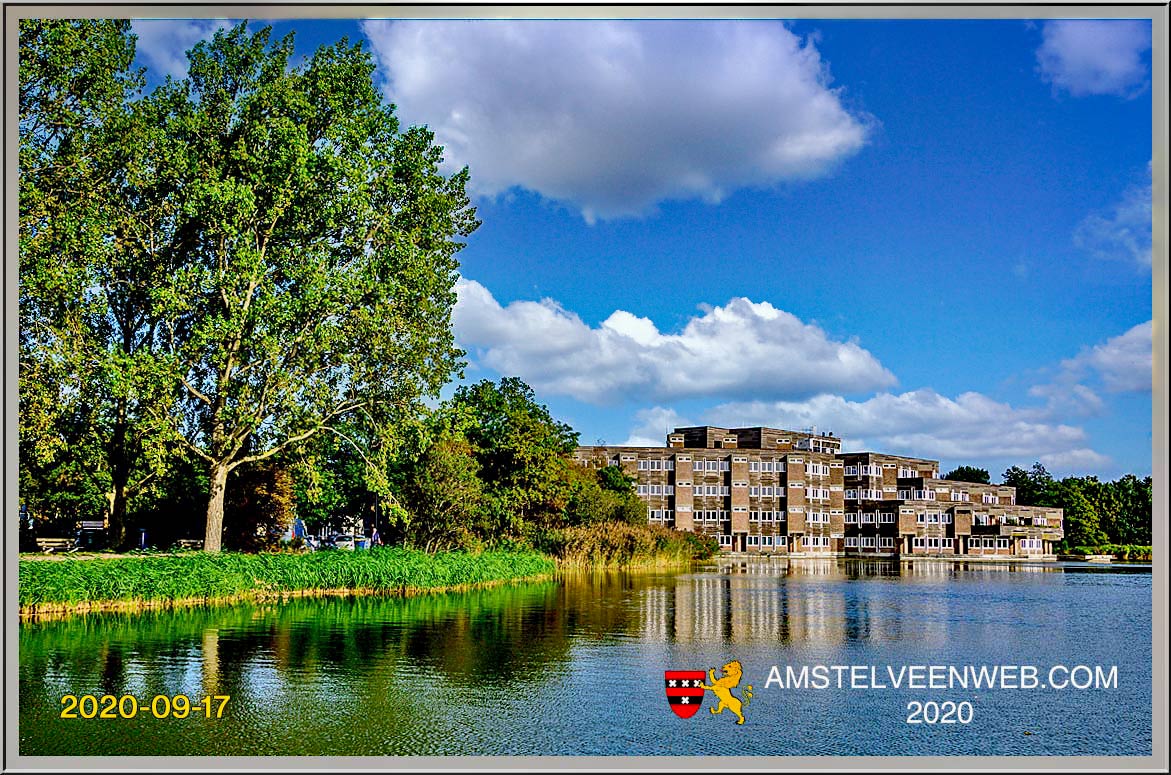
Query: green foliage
{"x": 197, "y": 575}
{"x": 1096, "y": 512}
{"x": 1134, "y": 552}
{"x": 969, "y": 474}
{"x": 522, "y": 452}
{"x": 233, "y": 264}
{"x": 602, "y": 495}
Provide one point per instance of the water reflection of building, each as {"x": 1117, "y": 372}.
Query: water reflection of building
{"x": 771, "y": 603}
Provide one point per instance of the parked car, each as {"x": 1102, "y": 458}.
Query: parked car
{"x": 343, "y": 541}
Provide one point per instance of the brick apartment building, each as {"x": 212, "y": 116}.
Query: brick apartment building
{"x": 771, "y": 491}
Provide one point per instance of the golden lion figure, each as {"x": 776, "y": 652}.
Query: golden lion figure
{"x": 723, "y": 687}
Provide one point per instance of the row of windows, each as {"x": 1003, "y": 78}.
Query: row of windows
{"x": 931, "y": 543}
{"x": 864, "y": 470}
{"x": 869, "y": 518}
{"x": 868, "y": 542}
{"x": 1031, "y": 544}
{"x": 766, "y": 540}
{"x": 767, "y": 466}
{"x": 933, "y": 518}
{"x": 817, "y": 469}
{"x": 656, "y": 465}
{"x": 991, "y": 543}
{"x": 817, "y": 493}
{"x": 656, "y": 489}
{"x": 867, "y": 495}
{"x": 766, "y": 492}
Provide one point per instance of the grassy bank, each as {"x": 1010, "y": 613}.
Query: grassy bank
{"x": 620, "y": 545}
{"x": 186, "y": 579}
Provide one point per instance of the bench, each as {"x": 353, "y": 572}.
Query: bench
{"x": 189, "y": 543}
{"x": 51, "y": 545}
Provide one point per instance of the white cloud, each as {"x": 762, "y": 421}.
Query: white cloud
{"x": 1124, "y": 232}
{"x": 968, "y": 428}
{"x": 163, "y": 43}
{"x": 653, "y": 425}
{"x": 1124, "y": 363}
{"x": 612, "y": 117}
{"x": 1087, "y": 57}
{"x": 742, "y": 348}
{"x": 1084, "y": 461}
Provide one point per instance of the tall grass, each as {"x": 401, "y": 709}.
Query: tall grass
{"x": 200, "y": 576}
{"x": 618, "y": 544}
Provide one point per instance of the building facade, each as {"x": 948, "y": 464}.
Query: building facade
{"x": 771, "y": 491}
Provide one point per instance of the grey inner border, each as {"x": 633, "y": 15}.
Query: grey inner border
{"x": 1157, "y": 761}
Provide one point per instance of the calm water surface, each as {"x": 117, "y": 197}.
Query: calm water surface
{"x": 575, "y": 666}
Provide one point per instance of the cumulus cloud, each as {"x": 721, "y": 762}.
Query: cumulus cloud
{"x": 1124, "y": 232}
{"x": 1087, "y": 57}
{"x": 742, "y": 348}
{"x": 923, "y": 423}
{"x": 1123, "y": 363}
{"x": 653, "y": 425}
{"x": 612, "y": 117}
{"x": 163, "y": 43}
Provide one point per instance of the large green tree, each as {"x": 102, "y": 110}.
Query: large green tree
{"x": 93, "y": 236}
{"x": 523, "y": 454}
{"x": 315, "y": 255}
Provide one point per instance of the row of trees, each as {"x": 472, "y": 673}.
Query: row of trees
{"x": 1095, "y": 512}
{"x": 222, "y": 271}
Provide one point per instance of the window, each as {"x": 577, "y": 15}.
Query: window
{"x": 766, "y": 516}
{"x": 725, "y": 540}
{"x": 767, "y": 491}
{"x": 852, "y": 495}
{"x": 886, "y": 542}
{"x": 904, "y": 495}
{"x": 644, "y": 489}
{"x": 933, "y": 518}
{"x": 668, "y": 489}
{"x": 766, "y": 540}
{"x": 754, "y": 466}
{"x": 924, "y": 495}
{"x": 867, "y": 542}
{"x": 851, "y": 517}
{"x": 960, "y": 496}
{"x": 946, "y": 544}
{"x": 933, "y": 543}
{"x": 782, "y": 540}
{"x": 989, "y": 498}
{"x": 920, "y": 518}
{"x": 1005, "y": 543}
{"x": 851, "y": 471}
{"x": 886, "y": 518}
{"x": 945, "y": 518}
{"x": 918, "y": 543}
{"x": 868, "y": 518}
{"x": 851, "y": 542}
{"x": 754, "y": 540}
{"x": 725, "y": 465}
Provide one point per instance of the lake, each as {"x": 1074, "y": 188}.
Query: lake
{"x": 576, "y": 666}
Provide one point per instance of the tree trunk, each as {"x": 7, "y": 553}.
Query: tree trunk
{"x": 120, "y": 476}
{"x": 213, "y": 535}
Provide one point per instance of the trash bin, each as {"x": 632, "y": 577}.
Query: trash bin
{"x": 361, "y": 543}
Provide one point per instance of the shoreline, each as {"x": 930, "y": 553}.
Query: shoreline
{"x": 53, "y": 611}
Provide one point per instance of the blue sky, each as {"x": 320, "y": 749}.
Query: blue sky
{"x": 930, "y": 237}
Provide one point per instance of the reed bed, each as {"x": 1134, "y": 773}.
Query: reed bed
{"x": 618, "y": 544}
{"x": 84, "y": 584}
